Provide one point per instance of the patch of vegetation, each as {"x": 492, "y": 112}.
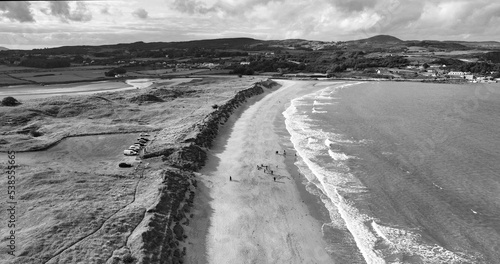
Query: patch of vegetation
{"x": 128, "y": 259}
{"x": 35, "y": 133}
{"x": 115, "y": 72}
{"x": 169, "y": 93}
{"x": 73, "y": 110}
{"x": 145, "y": 98}
{"x": 10, "y": 101}
{"x": 493, "y": 56}
{"x": 41, "y": 62}
{"x": 55, "y": 102}
{"x": 243, "y": 70}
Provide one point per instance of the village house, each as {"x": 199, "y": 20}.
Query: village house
{"x": 470, "y": 77}
{"x": 457, "y": 74}
{"x": 435, "y": 66}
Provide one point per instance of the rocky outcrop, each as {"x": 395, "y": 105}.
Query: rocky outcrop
{"x": 164, "y": 221}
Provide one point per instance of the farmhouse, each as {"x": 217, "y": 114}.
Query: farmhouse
{"x": 456, "y": 73}
{"x": 469, "y": 77}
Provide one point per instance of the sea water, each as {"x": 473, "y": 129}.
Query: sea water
{"x": 410, "y": 172}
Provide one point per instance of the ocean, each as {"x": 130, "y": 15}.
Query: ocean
{"x": 409, "y": 172}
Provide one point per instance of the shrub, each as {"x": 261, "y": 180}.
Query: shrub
{"x": 35, "y": 133}
{"x": 128, "y": 259}
{"x": 115, "y": 71}
{"x": 215, "y": 106}
{"x": 10, "y": 101}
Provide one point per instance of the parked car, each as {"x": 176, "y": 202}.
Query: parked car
{"x": 134, "y": 147}
{"x": 124, "y": 165}
{"x": 141, "y": 138}
{"x": 130, "y": 152}
{"x": 144, "y": 135}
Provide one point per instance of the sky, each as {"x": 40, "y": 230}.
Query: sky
{"x": 40, "y": 24}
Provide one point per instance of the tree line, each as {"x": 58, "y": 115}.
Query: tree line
{"x": 45, "y": 63}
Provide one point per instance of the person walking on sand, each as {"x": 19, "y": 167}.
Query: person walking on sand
{"x": 274, "y": 178}
{"x": 230, "y": 179}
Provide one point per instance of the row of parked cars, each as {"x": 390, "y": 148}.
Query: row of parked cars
{"x": 134, "y": 149}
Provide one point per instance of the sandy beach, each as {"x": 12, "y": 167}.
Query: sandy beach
{"x": 254, "y": 219}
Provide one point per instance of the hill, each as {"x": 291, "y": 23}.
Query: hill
{"x": 381, "y": 39}
{"x": 222, "y": 43}
{"x": 444, "y": 45}
{"x": 3, "y": 48}
{"x": 479, "y": 44}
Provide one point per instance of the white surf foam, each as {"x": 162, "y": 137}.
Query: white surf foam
{"x": 318, "y": 112}
{"x": 401, "y": 242}
{"x": 321, "y": 103}
{"x": 337, "y": 156}
{"x": 437, "y": 186}
{"x": 330, "y": 182}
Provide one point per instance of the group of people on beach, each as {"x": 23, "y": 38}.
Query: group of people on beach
{"x": 278, "y": 152}
{"x": 266, "y": 167}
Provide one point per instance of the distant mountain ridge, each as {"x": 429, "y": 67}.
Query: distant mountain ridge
{"x": 250, "y": 44}
{"x": 391, "y": 41}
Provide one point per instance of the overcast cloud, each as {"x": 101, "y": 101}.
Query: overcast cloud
{"x": 105, "y": 22}
{"x": 16, "y": 11}
{"x": 62, "y": 10}
{"x": 140, "y": 13}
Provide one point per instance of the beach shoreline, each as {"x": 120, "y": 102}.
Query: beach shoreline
{"x": 254, "y": 218}
{"x": 313, "y": 202}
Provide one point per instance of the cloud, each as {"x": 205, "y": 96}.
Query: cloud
{"x": 62, "y": 10}
{"x": 353, "y": 5}
{"x": 105, "y": 10}
{"x": 176, "y": 20}
{"x": 140, "y": 13}
{"x": 19, "y": 11}
{"x": 191, "y": 6}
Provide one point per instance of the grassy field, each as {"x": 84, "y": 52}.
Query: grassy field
{"x": 5, "y": 79}
{"x": 5, "y": 68}
{"x": 56, "y": 76}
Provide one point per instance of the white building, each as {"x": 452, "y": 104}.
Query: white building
{"x": 456, "y": 73}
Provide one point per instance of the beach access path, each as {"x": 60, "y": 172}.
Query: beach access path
{"x": 253, "y": 219}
